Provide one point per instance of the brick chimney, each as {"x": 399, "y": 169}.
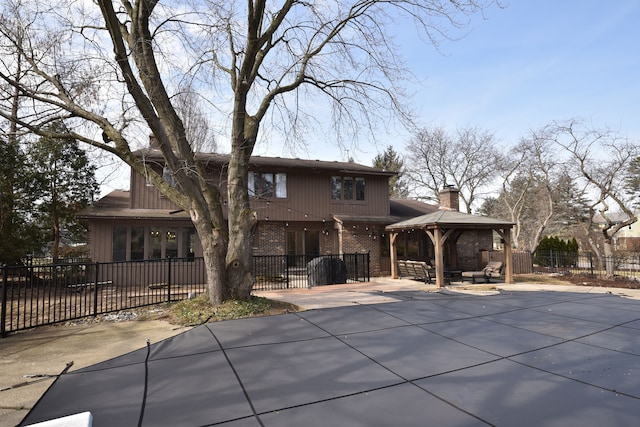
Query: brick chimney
{"x": 449, "y": 198}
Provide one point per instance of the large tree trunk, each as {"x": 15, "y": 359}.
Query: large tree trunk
{"x": 214, "y": 246}
{"x": 609, "y": 263}
{"x": 242, "y": 219}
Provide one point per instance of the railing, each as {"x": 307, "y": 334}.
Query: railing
{"x": 520, "y": 260}
{"x": 38, "y": 295}
{"x": 42, "y": 294}
{"x": 623, "y": 266}
{"x": 272, "y": 272}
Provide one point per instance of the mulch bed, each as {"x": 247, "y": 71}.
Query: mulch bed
{"x": 616, "y": 282}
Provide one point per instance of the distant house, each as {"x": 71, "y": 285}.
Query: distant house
{"x": 628, "y": 238}
{"x": 304, "y": 207}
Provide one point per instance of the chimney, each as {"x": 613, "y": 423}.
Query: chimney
{"x": 153, "y": 141}
{"x": 449, "y": 199}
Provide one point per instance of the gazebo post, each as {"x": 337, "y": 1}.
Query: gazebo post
{"x": 439, "y": 257}
{"x": 393, "y": 238}
{"x": 508, "y": 257}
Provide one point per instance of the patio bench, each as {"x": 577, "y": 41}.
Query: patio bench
{"x": 493, "y": 270}
{"x": 419, "y": 270}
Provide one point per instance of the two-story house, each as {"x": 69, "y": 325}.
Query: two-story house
{"x": 304, "y": 207}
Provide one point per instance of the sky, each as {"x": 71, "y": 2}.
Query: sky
{"x": 522, "y": 66}
{"x": 515, "y": 69}
{"x": 536, "y": 61}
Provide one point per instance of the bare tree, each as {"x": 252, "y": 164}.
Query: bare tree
{"x": 538, "y": 194}
{"x": 111, "y": 69}
{"x": 196, "y": 124}
{"x": 602, "y": 160}
{"x": 517, "y": 180}
{"x": 467, "y": 160}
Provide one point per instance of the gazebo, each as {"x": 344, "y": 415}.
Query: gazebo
{"x": 444, "y": 228}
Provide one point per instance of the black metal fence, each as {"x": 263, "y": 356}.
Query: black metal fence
{"x": 36, "y": 295}
{"x": 625, "y": 266}
{"x": 273, "y": 272}
{"x": 42, "y": 294}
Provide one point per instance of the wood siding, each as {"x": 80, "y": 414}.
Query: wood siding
{"x": 144, "y": 196}
{"x": 308, "y": 198}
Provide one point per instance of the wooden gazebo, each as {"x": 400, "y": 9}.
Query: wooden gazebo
{"x": 446, "y": 226}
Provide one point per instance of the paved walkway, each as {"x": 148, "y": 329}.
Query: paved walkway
{"x": 391, "y": 352}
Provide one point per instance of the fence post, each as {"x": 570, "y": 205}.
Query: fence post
{"x": 286, "y": 269}
{"x": 591, "y": 263}
{"x": 368, "y": 269}
{"x": 168, "y": 279}
{"x": 95, "y": 292}
{"x": 3, "y": 314}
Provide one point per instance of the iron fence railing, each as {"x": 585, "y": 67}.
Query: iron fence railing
{"x": 37, "y": 295}
{"x": 625, "y": 266}
{"x": 273, "y": 272}
{"x": 40, "y": 294}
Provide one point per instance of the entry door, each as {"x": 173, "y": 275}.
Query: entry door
{"x": 305, "y": 244}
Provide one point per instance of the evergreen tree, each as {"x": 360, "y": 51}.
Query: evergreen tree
{"x": 390, "y": 161}
{"x": 632, "y": 183}
{"x": 66, "y": 182}
{"x": 18, "y": 236}
{"x": 556, "y": 251}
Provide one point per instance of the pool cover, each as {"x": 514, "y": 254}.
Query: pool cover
{"x": 518, "y": 358}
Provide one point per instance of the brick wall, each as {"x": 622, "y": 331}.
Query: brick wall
{"x": 270, "y": 239}
{"x": 470, "y": 244}
{"x": 363, "y": 238}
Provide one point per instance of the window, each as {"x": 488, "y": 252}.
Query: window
{"x": 266, "y": 181}
{"x": 119, "y": 244}
{"x": 268, "y": 185}
{"x": 336, "y": 188}
{"x": 155, "y": 244}
{"x": 188, "y": 240}
{"x": 385, "y": 250}
{"x": 281, "y": 185}
{"x": 359, "y": 188}
{"x": 171, "y": 245}
{"x": 347, "y": 188}
{"x": 137, "y": 243}
{"x": 140, "y": 243}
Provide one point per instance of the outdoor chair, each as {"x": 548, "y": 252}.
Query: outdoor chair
{"x": 418, "y": 270}
{"x": 493, "y": 270}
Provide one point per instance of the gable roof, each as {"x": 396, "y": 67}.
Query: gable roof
{"x": 117, "y": 205}
{"x": 449, "y": 219}
{"x": 399, "y": 210}
{"x": 409, "y": 208}
{"x": 276, "y": 163}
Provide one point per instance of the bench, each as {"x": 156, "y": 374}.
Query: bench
{"x": 493, "y": 270}
{"x": 418, "y": 270}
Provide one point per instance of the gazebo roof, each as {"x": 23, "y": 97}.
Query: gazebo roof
{"x": 449, "y": 219}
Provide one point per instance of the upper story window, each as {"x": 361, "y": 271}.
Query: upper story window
{"x": 268, "y": 185}
{"x": 347, "y": 188}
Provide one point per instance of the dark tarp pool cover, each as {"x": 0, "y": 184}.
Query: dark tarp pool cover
{"x": 518, "y": 358}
